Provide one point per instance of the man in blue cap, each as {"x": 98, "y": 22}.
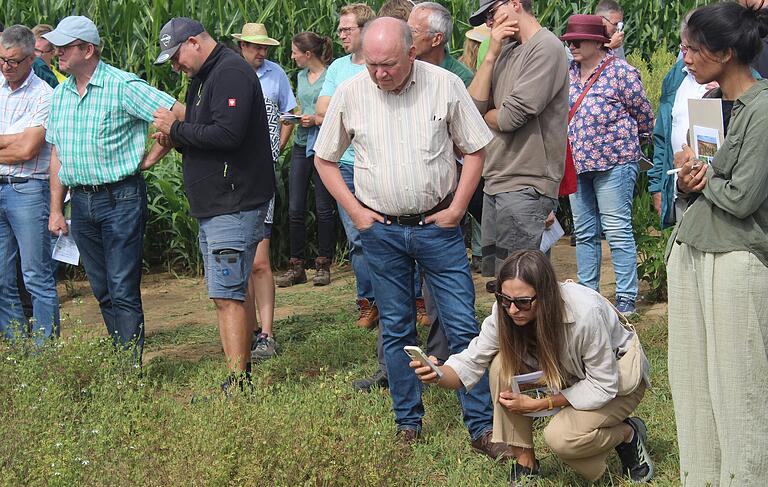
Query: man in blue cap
{"x": 98, "y": 129}
{"x": 228, "y": 174}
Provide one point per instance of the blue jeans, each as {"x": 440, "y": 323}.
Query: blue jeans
{"x": 604, "y": 199}
{"x": 108, "y": 228}
{"x": 24, "y": 210}
{"x": 392, "y": 252}
{"x": 356, "y": 256}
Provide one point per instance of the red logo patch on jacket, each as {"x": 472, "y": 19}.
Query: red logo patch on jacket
{"x": 232, "y": 102}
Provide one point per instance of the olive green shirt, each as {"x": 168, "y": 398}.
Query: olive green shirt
{"x": 731, "y": 213}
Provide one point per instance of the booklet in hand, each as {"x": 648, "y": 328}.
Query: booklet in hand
{"x": 532, "y": 384}
{"x": 290, "y": 118}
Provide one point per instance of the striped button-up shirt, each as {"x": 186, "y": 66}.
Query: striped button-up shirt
{"x": 100, "y": 137}
{"x": 26, "y": 106}
{"x": 404, "y": 160}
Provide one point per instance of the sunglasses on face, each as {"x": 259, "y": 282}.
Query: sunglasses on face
{"x": 521, "y": 303}
{"x": 576, "y": 44}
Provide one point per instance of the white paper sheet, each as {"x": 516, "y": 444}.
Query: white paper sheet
{"x": 551, "y": 235}
{"x": 66, "y": 250}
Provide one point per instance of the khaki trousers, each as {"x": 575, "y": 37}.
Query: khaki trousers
{"x": 718, "y": 366}
{"x": 582, "y": 439}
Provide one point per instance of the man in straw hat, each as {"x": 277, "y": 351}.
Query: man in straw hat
{"x": 521, "y": 88}
{"x": 254, "y": 44}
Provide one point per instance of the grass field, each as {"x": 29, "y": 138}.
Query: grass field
{"x": 75, "y": 414}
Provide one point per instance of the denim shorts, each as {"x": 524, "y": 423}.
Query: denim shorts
{"x": 228, "y": 245}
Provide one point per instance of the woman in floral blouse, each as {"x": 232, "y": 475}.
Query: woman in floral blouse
{"x": 604, "y": 136}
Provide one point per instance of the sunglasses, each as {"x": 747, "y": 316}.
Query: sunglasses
{"x": 576, "y": 44}
{"x": 522, "y": 303}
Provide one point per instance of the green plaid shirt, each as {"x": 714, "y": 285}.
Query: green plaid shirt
{"x": 100, "y": 138}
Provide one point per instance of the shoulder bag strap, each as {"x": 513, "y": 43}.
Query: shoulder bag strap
{"x": 587, "y": 88}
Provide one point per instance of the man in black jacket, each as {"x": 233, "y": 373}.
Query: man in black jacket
{"x": 228, "y": 175}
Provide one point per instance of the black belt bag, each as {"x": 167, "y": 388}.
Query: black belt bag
{"x": 416, "y": 219}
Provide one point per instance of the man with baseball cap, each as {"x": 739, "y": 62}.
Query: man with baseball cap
{"x": 521, "y": 88}
{"x": 228, "y": 174}
{"x": 98, "y": 129}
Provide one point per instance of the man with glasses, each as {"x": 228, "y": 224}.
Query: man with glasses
{"x": 45, "y": 50}
{"x": 24, "y": 195}
{"x": 352, "y": 18}
{"x": 98, "y": 129}
{"x": 521, "y": 87}
{"x": 228, "y": 173}
{"x": 613, "y": 20}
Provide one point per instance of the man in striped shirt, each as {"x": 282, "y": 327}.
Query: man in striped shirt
{"x": 24, "y": 162}
{"x": 408, "y": 205}
{"x": 98, "y": 128}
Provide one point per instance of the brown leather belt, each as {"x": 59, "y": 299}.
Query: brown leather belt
{"x": 415, "y": 219}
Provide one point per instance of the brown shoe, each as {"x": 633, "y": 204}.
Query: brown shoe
{"x": 369, "y": 314}
{"x": 422, "y": 318}
{"x": 407, "y": 437}
{"x": 323, "y": 272}
{"x": 497, "y": 451}
{"x": 294, "y": 275}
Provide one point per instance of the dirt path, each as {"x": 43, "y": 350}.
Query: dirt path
{"x": 178, "y": 305}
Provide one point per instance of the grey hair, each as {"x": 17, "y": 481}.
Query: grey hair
{"x": 18, "y": 36}
{"x": 439, "y": 20}
{"x": 406, "y": 35}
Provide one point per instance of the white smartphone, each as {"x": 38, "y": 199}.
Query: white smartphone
{"x": 620, "y": 27}
{"x": 418, "y": 355}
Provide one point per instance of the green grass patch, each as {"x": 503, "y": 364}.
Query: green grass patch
{"x": 76, "y": 413}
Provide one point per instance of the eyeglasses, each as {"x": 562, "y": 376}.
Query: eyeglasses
{"x": 68, "y": 46}
{"x": 685, "y": 48}
{"x": 492, "y": 11}
{"x": 44, "y": 51}
{"x": 521, "y": 303}
{"x": 615, "y": 24}
{"x": 576, "y": 44}
{"x": 12, "y": 63}
{"x": 345, "y": 30}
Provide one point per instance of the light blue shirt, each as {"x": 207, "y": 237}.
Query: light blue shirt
{"x": 339, "y": 71}
{"x": 275, "y": 85}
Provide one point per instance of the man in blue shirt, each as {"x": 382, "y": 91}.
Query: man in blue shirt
{"x": 254, "y": 45}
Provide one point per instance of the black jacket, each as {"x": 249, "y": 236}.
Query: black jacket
{"x": 224, "y": 138}
{"x": 761, "y": 63}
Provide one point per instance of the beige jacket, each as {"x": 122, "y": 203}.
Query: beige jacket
{"x": 594, "y": 341}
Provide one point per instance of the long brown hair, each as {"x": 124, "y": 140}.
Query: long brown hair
{"x": 544, "y": 337}
{"x": 321, "y": 47}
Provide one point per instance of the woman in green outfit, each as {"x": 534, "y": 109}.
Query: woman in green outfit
{"x": 312, "y": 53}
{"x": 718, "y": 264}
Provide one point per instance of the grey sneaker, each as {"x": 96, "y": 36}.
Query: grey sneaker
{"x": 635, "y": 461}
{"x": 263, "y": 347}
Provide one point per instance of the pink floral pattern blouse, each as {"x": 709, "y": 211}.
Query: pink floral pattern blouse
{"x": 604, "y": 130}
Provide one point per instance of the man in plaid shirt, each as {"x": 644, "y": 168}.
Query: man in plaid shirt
{"x": 24, "y": 197}
{"x": 98, "y": 128}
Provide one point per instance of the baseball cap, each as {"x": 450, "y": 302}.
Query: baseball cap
{"x": 478, "y": 18}
{"x": 72, "y": 28}
{"x": 175, "y": 33}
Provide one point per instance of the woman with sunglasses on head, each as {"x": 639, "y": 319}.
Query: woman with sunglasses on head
{"x": 717, "y": 266}
{"x": 574, "y": 336}
{"x": 609, "y": 110}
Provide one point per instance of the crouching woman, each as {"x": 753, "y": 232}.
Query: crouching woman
{"x": 574, "y": 336}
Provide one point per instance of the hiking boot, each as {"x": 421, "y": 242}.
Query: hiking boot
{"x": 294, "y": 275}
{"x": 369, "y": 314}
{"x": 407, "y": 437}
{"x": 521, "y": 475}
{"x": 626, "y": 306}
{"x": 476, "y": 265}
{"x": 378, "y": 379}
{"x": 635, "y": 461}
{"x": 263, "y": 347}
{"x": 496, "y": 451}
{"x": 422, "y": 318}
{"x": 323, "y": 272}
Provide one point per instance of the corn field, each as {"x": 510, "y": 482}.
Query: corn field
{"x": 129, "y": 29}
